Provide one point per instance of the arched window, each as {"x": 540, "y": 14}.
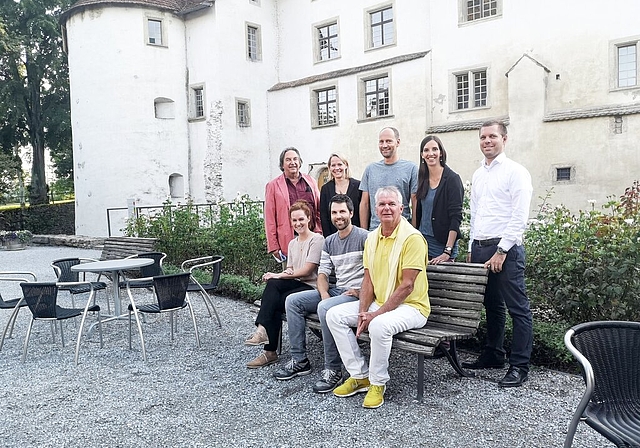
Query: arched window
{"x": 176, "y": 185}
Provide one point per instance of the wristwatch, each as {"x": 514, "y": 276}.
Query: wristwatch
{"x": 448, "y": 250}
{"x": 501, "y": 251}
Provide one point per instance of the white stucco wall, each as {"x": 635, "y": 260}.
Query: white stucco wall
{"x": 120, "y": 149}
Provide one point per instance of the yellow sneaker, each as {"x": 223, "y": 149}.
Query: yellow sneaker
{"x": 375, "y": 397}
{"x": 351, "y": 387}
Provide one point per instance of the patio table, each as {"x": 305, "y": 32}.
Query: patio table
{"x": 115, "y": 267}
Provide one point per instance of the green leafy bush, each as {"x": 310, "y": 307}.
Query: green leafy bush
{"x": 587, "y": 267}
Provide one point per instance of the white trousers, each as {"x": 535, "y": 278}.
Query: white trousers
{"x": 341, "y": 318}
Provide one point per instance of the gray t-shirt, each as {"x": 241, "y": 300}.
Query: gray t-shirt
{"x": 345, "y": 256}
{"x": 402, "y": 174}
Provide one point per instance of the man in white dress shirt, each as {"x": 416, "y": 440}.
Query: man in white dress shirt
{"x": 500, "y": 198}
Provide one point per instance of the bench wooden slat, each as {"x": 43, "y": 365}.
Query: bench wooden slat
{"x": 443, "y": 302}
{"x": 458, "y": 296}
{"x": 436, "y": 285}
{"x": 125, "y": 246}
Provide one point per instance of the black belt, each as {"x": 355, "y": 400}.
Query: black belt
{"x": 489, "y": 242}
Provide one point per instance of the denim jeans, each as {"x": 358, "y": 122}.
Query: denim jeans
{"x": 507, "y": 288}
{"x": 297, "y": 306}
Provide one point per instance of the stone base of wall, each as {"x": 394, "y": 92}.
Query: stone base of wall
{"x": 85, "y": 242}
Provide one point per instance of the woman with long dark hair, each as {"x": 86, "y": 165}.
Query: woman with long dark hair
{"x": 439, "y": 206}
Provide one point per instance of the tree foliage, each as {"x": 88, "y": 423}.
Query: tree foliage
{"x": 34, "y": 87}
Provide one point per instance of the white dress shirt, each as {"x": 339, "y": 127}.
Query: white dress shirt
{"x": 500, "y": 199}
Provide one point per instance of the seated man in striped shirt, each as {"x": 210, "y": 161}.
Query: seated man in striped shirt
{"x": 342, "y": 253}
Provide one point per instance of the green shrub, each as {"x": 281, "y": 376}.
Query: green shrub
{"x": 239, "y": 287}
{"x": 587, "y": 267}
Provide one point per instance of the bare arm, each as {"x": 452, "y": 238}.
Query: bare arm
{"x": 367, "y": 297}
{"x": 323, "y": 286}
{"x": 414, "y": 205}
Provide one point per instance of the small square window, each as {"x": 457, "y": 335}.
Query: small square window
{"x": 243, "y": 113}
{"x": 471, "y": 89}
{"x": 381, "y": 27}
{"x": 155, "y": 33}
{"x": 327, "y": 41}
{"x": 325, "y": 106}
{"x": 254, "y": 43}
{"x": 474, "y": 10}
{"x": 563, "y": 174}
{"x": 627, "y": 57}
{"x": 375, "y": 97}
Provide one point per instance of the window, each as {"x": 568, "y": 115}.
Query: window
{"x": 471, "y": 89}
{"x": 327, "y": 41}
{"x": 243, "y": 115}
{"x": 255, "y": 2}
{"x": 618, "y": 124}
{"x": 254, "y": 51}
{"x": 376, "y": 97}
{"x": 563, "y": 174}
{"x": 176, "y": 185}
{"x": 164, "y": 108}
{"x": 155, "y": 32}
{"x": 197, "y": 102}
{"x": 627, "y": 57}
{"x": 325, "y": 108}
{"x": 381, "y": 27}
{"x": 474, "y": 10}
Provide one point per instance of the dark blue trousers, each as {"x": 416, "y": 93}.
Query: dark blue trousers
{"x": 506, "y": 291}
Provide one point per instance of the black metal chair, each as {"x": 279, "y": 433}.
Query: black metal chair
{"x": 171, "y": 295}
{"x": 608, "y": 353}
{"x": 62, "y": 268}
{"x": 42, "y": 297}
{"x": 211, "y": 264}
{"x": 13, "y": 304}
{"x": 152, "y": 270}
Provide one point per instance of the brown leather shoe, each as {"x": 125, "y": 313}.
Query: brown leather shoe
{"x": 262, "y": 360}
{"x": 258, "y": 338}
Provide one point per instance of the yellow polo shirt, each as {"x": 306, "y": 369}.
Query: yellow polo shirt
{"x": 412, "y": 256}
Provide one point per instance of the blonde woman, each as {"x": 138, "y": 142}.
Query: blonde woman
{"x": 340, "y": 183}
{"x": 300, "y": 275}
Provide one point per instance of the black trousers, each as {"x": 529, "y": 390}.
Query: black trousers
{"x": 272, "y": 306}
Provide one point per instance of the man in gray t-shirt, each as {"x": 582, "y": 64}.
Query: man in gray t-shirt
{"x": 390, "y": 171}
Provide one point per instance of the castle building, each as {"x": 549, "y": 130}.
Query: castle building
{"x": 196, "y": 98}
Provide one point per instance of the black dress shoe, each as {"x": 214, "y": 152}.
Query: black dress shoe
{"x": 484, "y": 362}
{"x": 515, "y": 377}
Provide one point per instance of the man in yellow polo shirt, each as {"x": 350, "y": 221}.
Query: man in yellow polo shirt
{"x": 394, "y": 298}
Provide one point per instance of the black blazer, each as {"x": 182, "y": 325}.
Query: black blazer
{"x": 447, "y": 206}
{"x": 328, "y": 191}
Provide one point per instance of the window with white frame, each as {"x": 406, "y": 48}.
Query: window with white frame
{"x": 474, "y": 10}
{"x": 627, "y": 64}
{"x": 243, "y": 113}
{"x": 154, "y": 32}
{"x": 471, "y": 89}
{"x": 197, "y": 101}
{"x": 325, "y": 106}
{"x": 254, "y": 43}
{"x": 327, "y": 41}
{"x": 381, "y": 27}
{"x": 375, "y": 95}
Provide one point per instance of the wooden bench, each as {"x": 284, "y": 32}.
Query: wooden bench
{"x": 456, "y": 293}
{"x": 125, "y": 246}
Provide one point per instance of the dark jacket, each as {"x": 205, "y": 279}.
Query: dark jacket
{"x": 447, "y": 206}
{"x": 328, "y": 191}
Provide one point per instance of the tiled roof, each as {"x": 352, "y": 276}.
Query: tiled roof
{"x": 592, "y": 112}
{"x": 468, "y": 125}
{"x": 175, "y": 6}
{"x": 348, "y": 71}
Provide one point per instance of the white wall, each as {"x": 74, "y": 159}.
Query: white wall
{"x": 120, "y": 149}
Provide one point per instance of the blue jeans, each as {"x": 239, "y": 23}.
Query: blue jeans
{"x": 297, "y": 306}
{"x": 507, "y": 288}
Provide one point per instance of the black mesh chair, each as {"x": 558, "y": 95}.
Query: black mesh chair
{"x": 608, "y": 355}
{"x": 42, "y": 300}
{"x": 152, "y": 270}
{"x": 62, "y": 268}
{"x": 212, "y": 265}
{"x": 16, "y": 303}
{"x": 171, "y": 295}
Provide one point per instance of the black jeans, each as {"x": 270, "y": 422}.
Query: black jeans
{"x": 272, "y": 306}
{"x": 507, "y": 288}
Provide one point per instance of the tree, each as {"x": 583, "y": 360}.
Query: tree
{"x": 34, "y": 93}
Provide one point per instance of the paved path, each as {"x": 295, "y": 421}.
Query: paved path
{"x": 189, "y": 397}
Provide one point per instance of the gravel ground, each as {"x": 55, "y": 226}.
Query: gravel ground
{"x": 185, "y": 396}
